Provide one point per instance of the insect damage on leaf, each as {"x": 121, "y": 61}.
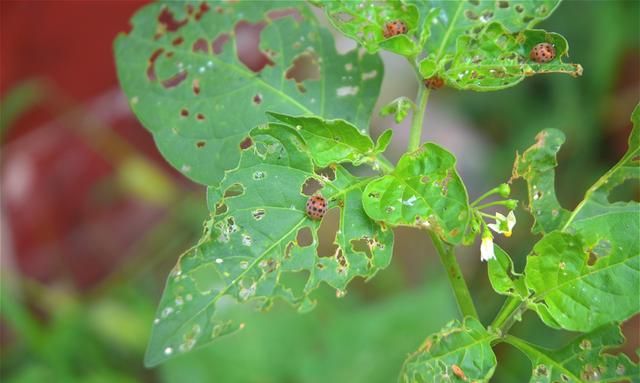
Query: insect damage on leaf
{"x": 259, "y": 236}
{"x": 207, "y": 73}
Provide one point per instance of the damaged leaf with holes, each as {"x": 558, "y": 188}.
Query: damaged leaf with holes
{"x": 459, "y": 352}
{"x": 255, "y": 241}
{"x": 468, "y": 44}
{"x": 424, "y": 191}
{"x": 333, "y": 141}
{"x": 593, "y": 262}
{"x": 199, "y": 94}
{"x": 536, "y": 166}
{"x": 588, "y": 358}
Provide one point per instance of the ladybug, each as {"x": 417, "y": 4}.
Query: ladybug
{"x": 434, "y": 82}
{"x": 542, "y": 53}
{"x": 316, "y": 207}
{"x": 394, "y": 28}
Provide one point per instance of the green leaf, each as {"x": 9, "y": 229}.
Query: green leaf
{"x": 258, "y": 237}
{"x": 536, "y": 166}
{"x": 503, "y": 277}
{"x": 578, "y": 274}
{"x": 577, "y": 295}
{"x": 399, "y": 107}
{"x": 424, "y": 190}
{"x": 498, "y": 59}
{"x": 331, "y": 141}
{"x": 383, "y": 141}
{"x": 459, "y": 352}
{"x": 180, "y": 69}
{"x": 471, "y": 45}
{"x": 582, "y": 360}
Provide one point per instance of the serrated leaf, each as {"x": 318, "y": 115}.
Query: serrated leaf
{"x": 503, "y": 277}
{"x": 536, "y": 166}
{"x": 180, "y": 69}
{"x": 399, "y": 107}
{"x": 424, "y": 190}
{"x": 256, "y": 239}
{"x": 498, "y": 59}
{"x": 331, "y": 141}
{"x": 582, "y": 360}
{"x": 471, "y": 45}
{"x": 578, "y": 274}
{"x": 459, "y": 352}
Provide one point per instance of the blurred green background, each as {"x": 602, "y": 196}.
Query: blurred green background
{"x": 93, "y": 219}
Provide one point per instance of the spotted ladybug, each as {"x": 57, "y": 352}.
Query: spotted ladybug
{"x": 542, "y": 53}
{"x": 434, "y": 82}
{"x": 316, "y": 207}
{"x": 394, "y": 28}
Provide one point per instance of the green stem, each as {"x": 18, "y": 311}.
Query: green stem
{"x": 458, "y": 284}
{"x": 385, "y": 164}
{"x": 418, "y": 117}
{"x": 512, "y": 308}
{"x": 503, "y": 203}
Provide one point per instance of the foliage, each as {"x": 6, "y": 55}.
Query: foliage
{"x": 263, "y": 139}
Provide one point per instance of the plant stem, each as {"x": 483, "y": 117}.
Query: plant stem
{"x": 512, "y": 308}
{"x": 418, "y": 117}
{"x": 456, "y": 279}
{"x": 494, "y": 203}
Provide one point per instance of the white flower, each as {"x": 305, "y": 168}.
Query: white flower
{"x": 503, "y": 224}
{"x": 486, "y": 248}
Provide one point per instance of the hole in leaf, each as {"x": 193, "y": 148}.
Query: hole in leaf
{"x": 221, "y": 209}
{"x": 201, "y": 45}
{"x": 474, "y": 2}
{"x": 258, "y": 214}
{"x": 174, "y": 80}
{"x": 234, "y": 190}
{"x": 168, "y": 21}
{"x": 362, "y": 245}
{"x": 196, "y": 86}
{"x": 519, "y": 8}
{"x": 200, "y": 144}
{"x": 219, "y": 42}
{"x": 327, "y": 233}
{"x": 204, "y": 8}
{"x": 311, "y": 186}
{"x": 327, "y": 173}
{"x": 374, "y": 195}
{"x": 627, "y": 191}
{"x": 184, "y": 112}
{"x": 304, "y": 67}
{"x": 151, "y": 69}
{"x": 177, "y": 41}
{"x": 527, "y": 19}
{"x": 200, "y": 117}
{"x": 471, "y": 15}
{"x": 246, "y": 143}
{"x": 257, "y": 99}
{"x": 304, "y": 237}
{"x": 248, "y": 45}
{"x": 503, "y": 4}
{"x": 280, "y": 13}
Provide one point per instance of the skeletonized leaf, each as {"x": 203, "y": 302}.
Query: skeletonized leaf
{"x": 180, "y": 68}
{"x": 459, "y": 352}
{"x": 259, "y": 234}
{"x": 424, "y": 190}
{"x": 582, "y": 360}
{"x": 536, "y": 166}
{"x": 331, "y": 141}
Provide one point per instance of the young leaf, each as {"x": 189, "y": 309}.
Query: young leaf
{"x": 459, "y": 352}
{"x": 258, "y": 235}
{"x": 331, "y": 141}
{"x": 582, "y": 360}
{"x": 383, "y": 141}
{"x": 199, "y": 95}
{"x": 578, "y": 275}
{"x": 399, "y": 107}
{"x": 536, "y": 166}
{"x": 424, "y": 190}
{"x": 502, "y": 276}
